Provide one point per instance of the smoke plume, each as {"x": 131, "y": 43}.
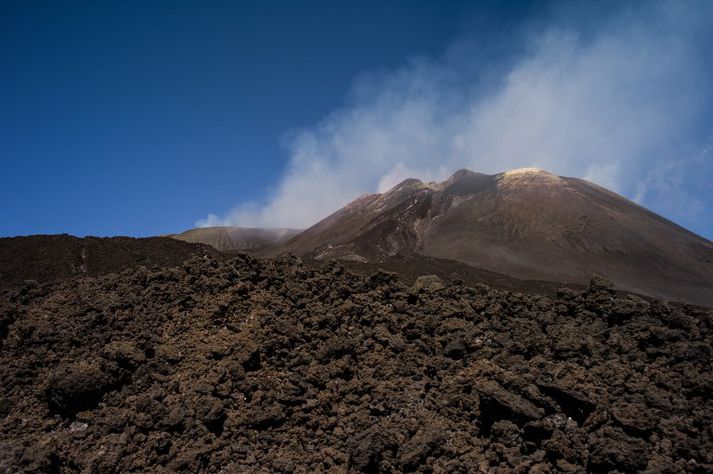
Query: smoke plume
{"x": 622, "y": 103}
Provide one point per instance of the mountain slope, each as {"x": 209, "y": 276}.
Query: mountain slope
{"x": 46, "y": 258}
{"x": 525, "y": 223}
{"x": 237, "y": 238}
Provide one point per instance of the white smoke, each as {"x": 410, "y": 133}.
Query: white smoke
{"x": 618, "y": 106}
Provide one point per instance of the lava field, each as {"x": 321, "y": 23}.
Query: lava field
{"x": 271, "y": 365}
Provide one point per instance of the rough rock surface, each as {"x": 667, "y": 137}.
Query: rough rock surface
{"x": 247, "y": 365}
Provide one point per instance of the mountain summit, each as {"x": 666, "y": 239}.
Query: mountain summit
{"x": 525, "y": 223}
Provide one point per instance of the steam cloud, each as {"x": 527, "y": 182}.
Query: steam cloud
{"x": 623, "y": 105}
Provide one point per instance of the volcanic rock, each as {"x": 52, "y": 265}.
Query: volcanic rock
{"x": 260, "y": 365}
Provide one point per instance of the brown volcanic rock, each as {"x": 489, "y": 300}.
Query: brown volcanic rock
{"x": 46, "y": 258}
{"x": 238, "y": 238}
{"x": 248, "y": 365}
{"x": 526, "y": 223}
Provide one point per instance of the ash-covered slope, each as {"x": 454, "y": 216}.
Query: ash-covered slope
{"x": 249, "y": 365}
{"x": 46, "y": 258}
{"x": 525, "y": 223}
{"x": 238, "y": 238}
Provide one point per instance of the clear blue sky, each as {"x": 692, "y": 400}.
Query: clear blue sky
{"x": 139, "y": 118}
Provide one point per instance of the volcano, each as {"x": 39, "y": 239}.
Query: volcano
{"x": 526, "y": 223}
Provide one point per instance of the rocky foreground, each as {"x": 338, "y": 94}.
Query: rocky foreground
{"x": 247, "y": 365}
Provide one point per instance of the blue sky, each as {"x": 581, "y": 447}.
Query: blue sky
{"x": 142, "y": 118}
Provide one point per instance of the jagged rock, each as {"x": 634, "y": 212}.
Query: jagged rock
{"x": 427, "y": 283}
{"x": 252, "y": 365}
{"x": 611, "y": 449}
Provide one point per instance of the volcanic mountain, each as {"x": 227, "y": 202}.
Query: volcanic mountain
{"x": 237, "y": 238}
{"x": 525, "y": 223}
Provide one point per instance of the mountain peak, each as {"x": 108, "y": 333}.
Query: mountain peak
{"x": 529, "y": 170}
{"x": 528, "y": 176}
{"x": 463, "y": 173}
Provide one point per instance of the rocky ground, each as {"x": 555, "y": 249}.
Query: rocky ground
{"x": 247, "y": 365}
